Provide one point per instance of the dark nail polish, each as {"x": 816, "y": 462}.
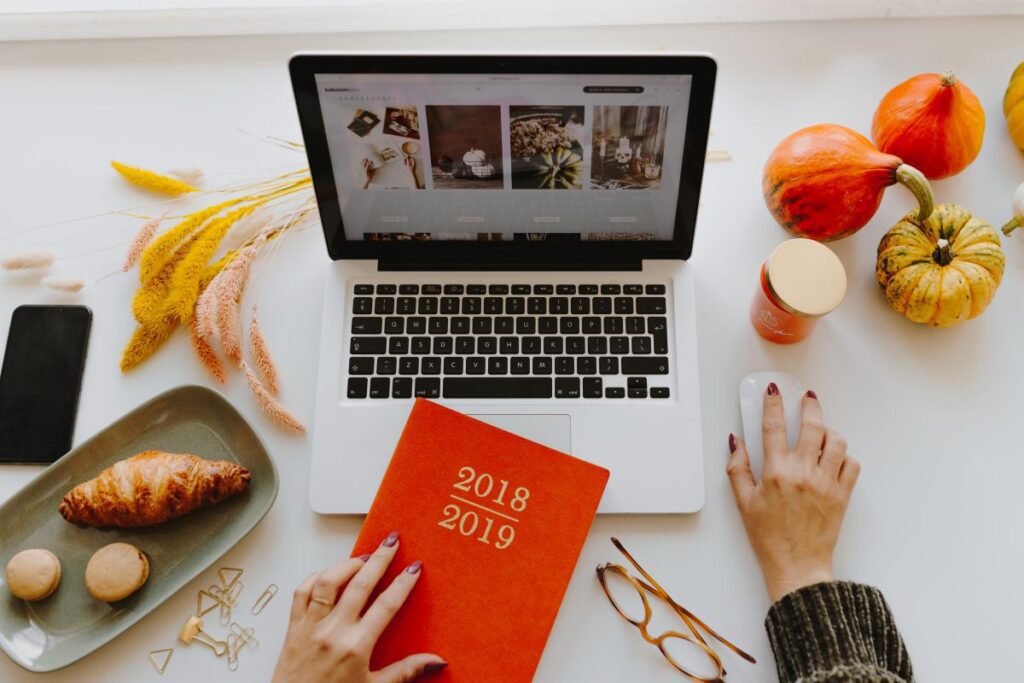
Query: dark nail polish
{"x": 811, "y": 394}
{"x": 732, "y": 443}
{"x": 391, "y": 539}
{"x": 415, "y": 567}
{"x": 773, "y": 389}
{"x": 434, "y": 667}
{"x": 365, "y": 558}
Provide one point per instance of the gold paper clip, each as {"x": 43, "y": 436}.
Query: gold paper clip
{"x": 246, "y": 635}
{"x": 206, "y": 603}
{"x": 233, "y": 647}
{"x": 160, "y": 658}
{"x": 227, "y": 599}
{"x": 193, "y": 631}
{"x": 228, "y": 576}
{"x": 265, "y": 597}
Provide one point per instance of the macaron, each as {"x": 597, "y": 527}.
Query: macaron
{"x": 116, "y": 571}
{"x": 33, "y": 574}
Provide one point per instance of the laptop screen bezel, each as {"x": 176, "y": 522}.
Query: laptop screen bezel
{"x": 304, "y": 68}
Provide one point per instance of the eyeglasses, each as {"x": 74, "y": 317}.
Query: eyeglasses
{"x": 689, "y": 653}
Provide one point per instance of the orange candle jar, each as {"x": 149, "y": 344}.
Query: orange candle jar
{"x": 801, "y": 281}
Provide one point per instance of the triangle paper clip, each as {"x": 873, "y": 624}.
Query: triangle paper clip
{"x": 233, "y": 572}
{"x": 160, "y": 663}
{"x": 203, "y": 610}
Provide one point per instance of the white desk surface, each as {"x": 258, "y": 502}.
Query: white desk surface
{"x": 934, "y": 415}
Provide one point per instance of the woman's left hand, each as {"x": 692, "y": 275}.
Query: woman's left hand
{"x": 331, "y": 632}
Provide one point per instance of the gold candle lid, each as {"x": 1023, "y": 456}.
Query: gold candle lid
{"x": 806, "y": 277}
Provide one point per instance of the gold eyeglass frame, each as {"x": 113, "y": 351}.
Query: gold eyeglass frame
{"x": 694, "y": 623}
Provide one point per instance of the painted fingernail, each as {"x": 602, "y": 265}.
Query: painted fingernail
{"x": 415, "y": 567}
{"x": 732, "y": 443}
{"x": 434, "y": 666}
{"x": 391, "y": 539}
{"x": 773, "y": 389}
{"x": 811, "y": 394}
{"x": 365, "y": 558}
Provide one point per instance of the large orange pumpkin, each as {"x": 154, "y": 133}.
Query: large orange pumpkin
{"x": 826, "y": 181}
{"x": 933, "y": 122}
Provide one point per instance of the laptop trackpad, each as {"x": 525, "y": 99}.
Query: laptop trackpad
{"x": 554, "y": 431}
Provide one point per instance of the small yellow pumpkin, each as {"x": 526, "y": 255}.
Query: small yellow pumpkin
{"x": 1013, "y": 106}
{"x": 943, "y": 270}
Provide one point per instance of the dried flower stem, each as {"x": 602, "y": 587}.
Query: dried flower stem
{"x": 154, "y": 182}
{"x": 261, "y": 355}
{"x": 278, "y": 413}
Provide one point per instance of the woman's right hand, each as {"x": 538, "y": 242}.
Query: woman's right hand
{"x": 794, "y": 513}
{"x": 331, "y": 632}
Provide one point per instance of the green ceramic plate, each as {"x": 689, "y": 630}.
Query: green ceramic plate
{"x": 55, "y": 632}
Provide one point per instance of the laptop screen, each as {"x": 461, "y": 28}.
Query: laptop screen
{"x": 505, "y": 157}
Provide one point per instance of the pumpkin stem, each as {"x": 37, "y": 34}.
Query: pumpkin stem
{"x": 943, "y": 255}
{"x": 912, "y": 179}
{"x": 948, "y": 78}
{"x": 1013, "y": 224}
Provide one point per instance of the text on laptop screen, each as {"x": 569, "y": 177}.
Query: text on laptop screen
{"x": 506, "y": 157}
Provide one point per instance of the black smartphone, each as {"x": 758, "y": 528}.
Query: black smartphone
{"x": 40, "y": 382}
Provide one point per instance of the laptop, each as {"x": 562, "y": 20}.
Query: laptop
{"x": 509, "y": 236}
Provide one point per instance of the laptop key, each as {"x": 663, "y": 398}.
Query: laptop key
{"x": 597, "y": 346}
{"x": 543, "y": 289}
{"x": 564, "y": 365}
{"x": 360, "y": 366}
{"x": 497, "y": 289}
{"x": 460, "y": 325}
{"x": 531, "y": 345}
{"x": 619, "y": 345}
{"x": 569, "y": 324}
{"x": 641, "y": 345}
{"x": 588, "y": 289}
{"x": 497, "y": 387}
{"x": 553, "y": 345}
{"x": 398, "y": 346}
{"x": 421, "y": 345}
{"x": 481, "y": 325}
{"x": 401, "y": 387}
{"x": 579, "y": 305}
{"x": 610, "y": 289}
{"x": 508, "y": 346}
{"x": 368, "y": 346}
{"x": 410, "y": 365}
{"x": 632, "y": 289}
{"x": 520, "y": 365}
{"x": 547, "y": 325}
{"x": 536, "y": 305}
{"x": 591, "y": 325}
{"x": 437, "y": 325}
{"x": 486, "y": 345}
{"x": 654, "y": 305}
{"x": 623, "y": 305}
{"x": 567, "y": 387}
{"x": 443, "y": 346}
{"x": 357, "y": 387}
{"x": 366, "y": 325}
{"x": 363, "y": 289}
{"x": 449, "y": 305}
{"x": 408, "y": 289}
{"x": 384, "y": 305}
{"x": 431, "y": 289}
{"x": 566, "y": 289}
{"x": 613, "y": 325}
{"x": 471, "y": 305}
{"x": 634, "y": 325}
{"x": 498, "y": 365}
{"x": 586, "y": 365}
{"x": 494, "y": 305}
{"x": 427, "y": 305}
{"x": 660, "y": 342}
{"x": 637, "y": 393}
{"x": 645, "y": 365}
{"x": 431, "y": 365}
{"x": 465, "y": 345}
{"x": 387, "y": 365}
{"x": 636, "y": 382}
{"x": 520, "y": 289}
{"x": 428, "y": 387}
{"x": 362, "y": 305}
{"x": 380, "y": 387}
{"x": 406, "y": 305}
{"x": 592, "y": 387}
{"x": 453, "y": 365}
{"x": 659, "y": 392}
{"x": 602, "y": 305}
{"x": 655, "y": 289}
{"x": 609, "y": 365}
{"x": 476, "y": 365}
{"x": 542, "y": 365}
{"x": 476, "y": 289}
{"x": 515, "y": 305}
{"x": 614, "y": 392}
{"x": 504, "y": 325}
{"x": 416, "y": 325}
{"x": 575, "y": 345}
{"x": 453, "y": 289}
{"x": 386, "y": 289}
{"x": 559, "y": 305}
{"x": 394, "y": 325}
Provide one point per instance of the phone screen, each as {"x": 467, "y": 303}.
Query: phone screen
{"x": 40, "y": 382}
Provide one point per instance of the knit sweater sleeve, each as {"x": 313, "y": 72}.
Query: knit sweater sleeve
{"x": 837, "y": 632}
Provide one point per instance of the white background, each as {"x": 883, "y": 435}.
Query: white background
{"x": 934, "y": 415}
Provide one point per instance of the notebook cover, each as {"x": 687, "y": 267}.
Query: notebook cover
{"x": 498, "y": 522}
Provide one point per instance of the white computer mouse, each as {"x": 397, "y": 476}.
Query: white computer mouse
{"x": 752, "y": 390}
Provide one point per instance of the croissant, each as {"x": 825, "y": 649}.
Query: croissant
{"x": 150, "y": 488}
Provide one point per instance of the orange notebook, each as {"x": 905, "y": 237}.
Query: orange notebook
{"x": 498, "y": 522}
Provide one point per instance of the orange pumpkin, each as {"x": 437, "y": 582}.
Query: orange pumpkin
{"x": 933, "y": 122}
{"x": 826, "y": 181}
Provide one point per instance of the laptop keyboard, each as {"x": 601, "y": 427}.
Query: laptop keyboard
{"x": 476, "y": 341}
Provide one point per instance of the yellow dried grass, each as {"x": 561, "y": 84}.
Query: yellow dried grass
{"x": 152, "y": 181}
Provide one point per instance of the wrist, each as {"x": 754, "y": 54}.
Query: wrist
{"x": 782, "y": 583}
